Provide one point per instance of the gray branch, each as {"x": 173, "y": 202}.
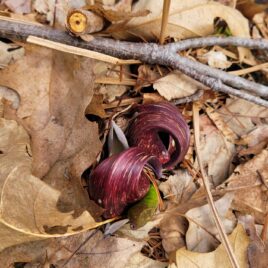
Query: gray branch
{"x": 156, "y": 54}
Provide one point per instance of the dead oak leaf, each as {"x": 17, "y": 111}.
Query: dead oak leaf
{"x": 55, "y": 89}
{"x": 218, "y": 258}
{"x": 28, "y": 205}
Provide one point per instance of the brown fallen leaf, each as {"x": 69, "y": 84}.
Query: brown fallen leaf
{"x": 147, "y": 75}
{"x": 180, "y": 22}
{"x": 117, "y": 13}
{"x": 217, "y": 152}
{"x": 18, "y": 6}
{"x": 9, "y": 53}
{"x": 88, "y": 249}
{"x": 176, "y": 85}
{"x": 257, "y": 249}
{"x": 248, "y": 185}
{"x": 200, "y": 236}
{"x": 256, "y": 140}
{"x": 105, "y": 71}
{"x": 96, "y": 106}
{"x": 217, "y": 59}
{"x": 242, "y": 116}
{"x": 178, "y": 187}
{"x": 29, "y": 207}
{"x": 218, "y": 258}
{"x": 54, "y": 96}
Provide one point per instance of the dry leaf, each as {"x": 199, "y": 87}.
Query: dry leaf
{"x": 178, "y": 187}
{"x": 9, "y": 53}
{"x": 221, "y": 125}
{"x": 18, "y": 6}
{"x": 104, "y": 70}
{"x": 217, "y": 59}
{"x": 242, "y": 116}
{"x": 181, "y": 24}
{"x": 218, "y": 258}
{"x": 202, "y": 225}
{"x": 216, "y": 151}
{"x": 147, "y": 75}
{"x": 96, "y": 106}
{"x": 117, "y": 13}
{"x": 257, "y": 249}
{"x": 54, "y": 97}
{"x": 176, "y": 85}
{"x": 250, "y": 194}
{"x": 29, "y": 207}
{"x": 98, "y": 251}
{"x": 256, "y": 140}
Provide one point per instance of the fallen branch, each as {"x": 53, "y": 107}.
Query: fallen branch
{"x": 156, "y": 54}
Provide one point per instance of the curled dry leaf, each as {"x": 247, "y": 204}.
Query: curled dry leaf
{"x": 161, "y": 130}
{"x": 180, "y": 22}
{"x": 200, "y": 236}
{"x": 248, "y": 185}
{"x": 176, "y": 85}
{"x": 216, "y": 151}
{"x": 120, "y": 180}
{"x": 218, "y": 258}
{"x": 30, "y": 209}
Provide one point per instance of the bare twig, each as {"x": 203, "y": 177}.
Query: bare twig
{"x": 194, "y": 97}
{"x": 219, "y": 41}
{"x": 219, "y": 225}
{"x": 153, "y": 54}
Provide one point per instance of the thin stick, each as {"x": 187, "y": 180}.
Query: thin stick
{"x": 164, "y": 23}
{"x": 78, "y": 51}
{"x": 219, "y": 225}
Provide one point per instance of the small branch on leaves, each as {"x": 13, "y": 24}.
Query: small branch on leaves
{"x": 158, "y": 54}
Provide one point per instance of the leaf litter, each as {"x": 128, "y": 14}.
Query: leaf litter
{"x": 48, "y": 147}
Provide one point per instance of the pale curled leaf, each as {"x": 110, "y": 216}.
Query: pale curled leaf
{"x": 176, "y": 85}
{"x": 218, "y": 258}
{"x": 117, "y": 141}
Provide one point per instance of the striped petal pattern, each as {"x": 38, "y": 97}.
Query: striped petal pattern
{"x": 119, "y": 180}
{"x": 152, "y": 123}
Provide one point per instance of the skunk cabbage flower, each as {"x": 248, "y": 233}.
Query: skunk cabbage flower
{"x": 160, "y": 129}
{"x": 120, "y": 180}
